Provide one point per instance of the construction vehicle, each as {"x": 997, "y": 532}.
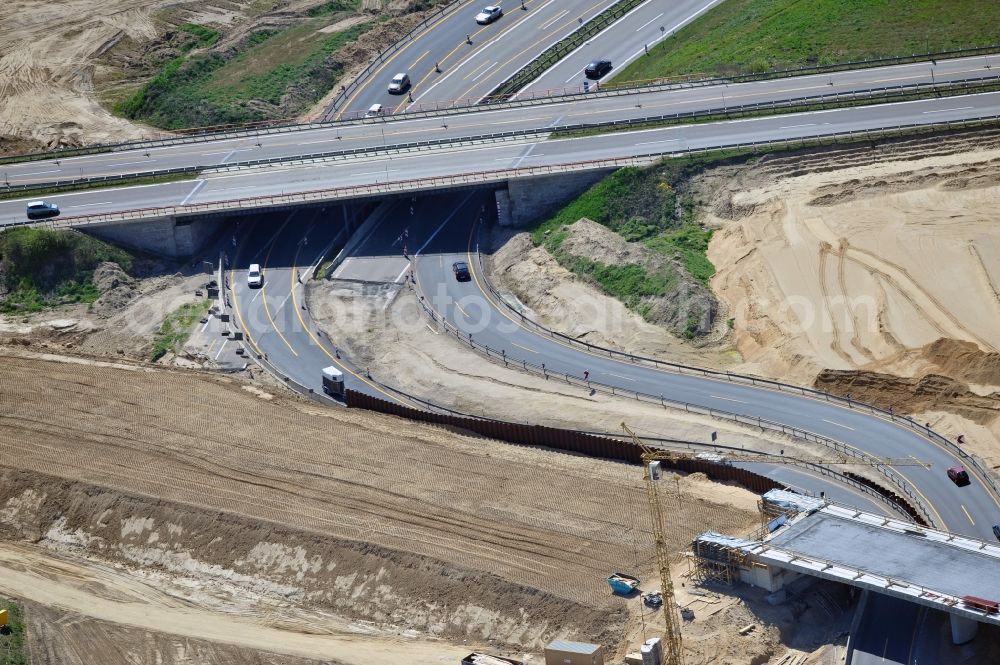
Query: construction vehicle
{"x": 651, "y": 458}
{"x": 3, "y": 619}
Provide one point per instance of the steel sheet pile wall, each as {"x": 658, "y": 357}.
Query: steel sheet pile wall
{"x": 561, "y": 439}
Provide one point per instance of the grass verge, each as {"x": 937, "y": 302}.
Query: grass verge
{"x": 12, "y": 636}
{"x": 40, "y": 268}
{"x": 641, "y": 205}
{"x": 271, "y": 74}
{"x": 743, "y": 36}
{"x": 104, "y": 184}
{"x": 176, "y": 328}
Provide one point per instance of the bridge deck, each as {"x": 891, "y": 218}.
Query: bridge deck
{"x": 911, "y": 559}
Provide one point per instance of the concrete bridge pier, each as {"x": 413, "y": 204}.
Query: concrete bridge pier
{"x": 962, "y": 629}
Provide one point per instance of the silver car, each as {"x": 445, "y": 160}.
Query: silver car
{"x": 489, "y": 14}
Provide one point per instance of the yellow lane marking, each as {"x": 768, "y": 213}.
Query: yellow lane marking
{"x": 385, "y": 64}
{"x": 968, "y": 515}
{"x": 332, "y": 357}
{"x": 414, "y": 63}
{"x": 263, "y": 295}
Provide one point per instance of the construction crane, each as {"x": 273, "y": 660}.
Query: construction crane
{"x": 673, "y": 654}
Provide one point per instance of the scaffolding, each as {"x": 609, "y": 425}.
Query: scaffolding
{"x": 719, "y": 558}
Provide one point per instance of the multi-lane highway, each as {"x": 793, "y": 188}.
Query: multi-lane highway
{"x": 455, "y": 59}
{"x": 446, "y": 161}
{"x": 373, "y": 135}
{"x": 621, "y": 43}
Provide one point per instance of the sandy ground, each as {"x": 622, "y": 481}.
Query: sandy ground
{"x": 47, "y": 53}
{"x": 340, "y": 524}
{"x": 882, "y": 260}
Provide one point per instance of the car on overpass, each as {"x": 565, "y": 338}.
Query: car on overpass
{"x": 489, "y": 14}
{"x": 42, "y": 209}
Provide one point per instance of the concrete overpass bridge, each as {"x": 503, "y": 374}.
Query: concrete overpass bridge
{"x": 944, "y": 571}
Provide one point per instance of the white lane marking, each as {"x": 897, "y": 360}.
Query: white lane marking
{"x": 141, "y": 161}
{"x": 728, "y": 399}
{"x": 374, "y": 172}
{"x": 648, "y": 22}
{"x": 87, "y": 205}
{"x": 808, "y": 124}
{"x": 961, "y": 108}
{"x": 278, "y": 308}
{"x": 208, "y": 319}
{"x": 838, "y": 424}
{"x": 432, "y": 329}
{"x": 627, "y": 378}
{"x": 401, "y": 273}
{"x": 483, "y": 73}
{"x": 228, "y": 155}
{"x": 222, "y": 348}
{"x": 194, "y": 190}
{"x": 545, "y": 26}
{"x": 525, "y": 348}
{"x": 525, "y": 155}
{"x": 233, "y": 189}
{"x": 40, "y": 172}
{"x": 259, "y": 291}
{"x": 221, "y": 152}
{"x": 443, "y": 224}
{"x": 320, "y": 141}
{"x": 655, "y": 142}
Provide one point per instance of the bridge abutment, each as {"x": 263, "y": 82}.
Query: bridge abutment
{"x": 527, "y": 199}
{"x": 174, "y": 237}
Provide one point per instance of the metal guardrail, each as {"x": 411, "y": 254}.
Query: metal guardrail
{"x": 906, "y": 421}
{"x": 560, "y": 49}
{"x": 452, "y": 107}
{"x": 834, "y": 100}
{"x": 500, "y": 356}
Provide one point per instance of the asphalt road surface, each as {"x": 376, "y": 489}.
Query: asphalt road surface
{"x": 414, "y": 168}
{"x": 444, "y": 66}
{"x": 621, "y": 43}
{"x": 967, "y": 510}
{"x": 376, "y": 134}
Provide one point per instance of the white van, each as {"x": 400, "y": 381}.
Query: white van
{"x": 254, "y": 278}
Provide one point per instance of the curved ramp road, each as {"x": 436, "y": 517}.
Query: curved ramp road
{"x": 415, "y": 168}
{"x": 275, "y": 323}
{"x": 374, "y": 135}
{"x": 967, "y": 510}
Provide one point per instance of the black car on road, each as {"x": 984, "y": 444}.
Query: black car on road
{"x": 597, "y": 69}
{"x": 461, "y": 269}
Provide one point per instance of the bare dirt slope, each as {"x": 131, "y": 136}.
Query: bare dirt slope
{"x": 562, "y": 301}
{"x": 337, "y": 522}
{"x": 64, "y": 637}
{"x": 879, "y": 262}
{"x": 47, "y": 52}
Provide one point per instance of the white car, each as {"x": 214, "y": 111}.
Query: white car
{"x": 374, "y": 111}
{"x": 254, "y": 278}
{"x": 489, "y": 14}
{"x": 399, "y": 83}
